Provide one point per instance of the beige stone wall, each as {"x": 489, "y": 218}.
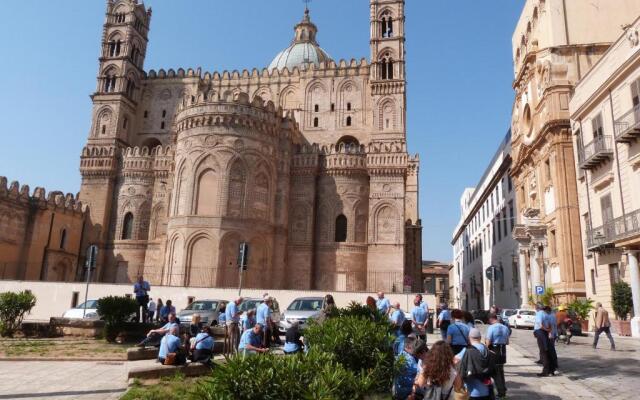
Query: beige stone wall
{"x": 40, "y": 234}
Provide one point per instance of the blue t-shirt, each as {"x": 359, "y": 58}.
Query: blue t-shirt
{"x": 459, "y": 333}
{"x": 204, "y": 341}
{"x": 168, "y": 344}
{"x": 419, "y": 314}
{"x": 383, "y": 305}
{"x": 497, "y": 333}
{"x": 262, "y": 314}
{"x": 540, "y": 320}
{"x": 247, "y": 323}
{"x": 424, "y": 305}
{"x": 445, "y": 315}
{"x": 403, "y": 381}
{"x": 553, "y": 322}
{"x": 231, "y": 313}
{"x": 170, "y": 325}
{"x": 397, "y": 318}
{"x": 166, "y": 310}
{"x": 141, "y": 289}
{"x": 475, "y": 386}
{"x": 249, "y": 337}
{"x": 291, "y": 347}
{"x": 398, "y": 344}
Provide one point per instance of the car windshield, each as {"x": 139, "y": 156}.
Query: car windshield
{"x": 509, "y": 313}
{"x": 202, "y": 306}
{"x": 90, "y": 304}
{"x": 526, "y": 312}
{"x": 305, "y": 305}
{"x": 249, "y": 305}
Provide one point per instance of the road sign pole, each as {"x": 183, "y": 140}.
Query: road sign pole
{"x": 242, "y": 263}
{"x": 493, "y": 285}
{"x": 91, "y": 261}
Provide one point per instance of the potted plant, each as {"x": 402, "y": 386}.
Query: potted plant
{"x": 582, "y": 308}
{"x": 622, "y": 303}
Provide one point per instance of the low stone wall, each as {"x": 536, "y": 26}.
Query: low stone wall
{"x": 54, "y": 298}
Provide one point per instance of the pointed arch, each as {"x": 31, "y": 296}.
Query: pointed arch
{"x": 236, "y": 188}
{"x": 387, "y": 115}
{"x": 261, "y": 194}
{"x": 103, "y": 121}
{"x": 206, "y": 189}
{"x": 360, "y": 225}
{"x": 341, "y": 227}
{"x": 201, "y": 261}
{"x": 127, "y": 226}
{"x": 386, "y": 224}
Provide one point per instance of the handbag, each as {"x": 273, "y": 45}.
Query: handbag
{"x": 170, "y": 359}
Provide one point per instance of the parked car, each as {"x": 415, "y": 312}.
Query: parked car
{"x": 523, "y": 319}
{"x": 506, "y": 313}
{"x": 209, "y": 311}
{"x": 252, "y": 303}
{"x": 77, "y": 311}
{"x": 301, "y": 309}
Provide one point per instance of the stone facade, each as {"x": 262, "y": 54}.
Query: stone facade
{"x": 605, "y": 117}
{"x": 40, "y": 234}
{"x": 306, "y": 161}
{"x": 556, "y": 42}
{"x": 483, "y": 238}
{"x": 435, "y": 281}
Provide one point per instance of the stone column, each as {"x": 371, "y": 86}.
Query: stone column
{"x": 632, "y": 257}
{"x": 535, "y": 268}
{"x": 522, "y": 271}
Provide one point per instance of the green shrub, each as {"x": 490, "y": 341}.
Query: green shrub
{"x": 361, "y": 345}
{"x": 582, "y": 308}
{"x": 621, "y": 299}
{"x": 13, "y": 308}
{"x": 115, "y": 310}
{"x": 312, "y": 376}
{"x": 355, "y": 309}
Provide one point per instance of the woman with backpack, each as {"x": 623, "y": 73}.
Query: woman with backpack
{"x": 438, "y": 379}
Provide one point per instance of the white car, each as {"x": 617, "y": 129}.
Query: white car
{"x": 523, "y": 319}
{"x": 77, "y": 312}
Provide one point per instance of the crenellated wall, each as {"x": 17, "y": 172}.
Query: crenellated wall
{"x": 40, "y": 233}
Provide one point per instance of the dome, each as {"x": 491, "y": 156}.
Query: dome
{"x": 304, "y": 48}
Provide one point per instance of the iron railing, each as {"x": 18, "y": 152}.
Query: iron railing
{"x": 595, "y": 152}
{"x": 627, "y": 127}
{"x": 615, "y": 230}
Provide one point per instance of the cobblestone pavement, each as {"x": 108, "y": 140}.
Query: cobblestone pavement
{"x": 82, "y": 380}
{"x": 585, "y": 373}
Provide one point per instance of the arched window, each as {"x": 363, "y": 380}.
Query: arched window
{"x": 63, "y": 239}
{"x": 348, "y": 121}
{"x": 115, "y": 45}
{"x": 131, "y": 87}
{"x": 390, "y": 69}
{"x": 348, "y": 106}
{"x": 110, "y": 81}
{"x": 387, "y": 25}
{"x": 383, "y": 68}
{"x": 315, "y": 122}
{"x": 127, "y": 226}
{"x": 386, "y": 66}
{"x": 316, "y": 108}
{"x": 341, "y": 229}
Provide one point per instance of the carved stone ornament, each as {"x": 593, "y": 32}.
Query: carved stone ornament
{"x": 131, "y": 190}
{"x": 633, "y": 37}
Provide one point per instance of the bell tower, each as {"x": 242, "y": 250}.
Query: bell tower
{"x": 115, "y": 101}
{"x": 388, "y": 69}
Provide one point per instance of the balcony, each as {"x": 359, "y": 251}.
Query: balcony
{"x": 627, "y": 127}
{"x": 615, "y": 231}
{"x": 596, "y": 152}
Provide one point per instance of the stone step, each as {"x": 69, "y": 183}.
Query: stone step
{"x": 151, "y": 353}
{"x": 152, "y": 370}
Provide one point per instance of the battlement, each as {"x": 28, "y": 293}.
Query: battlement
{"x": 147, "y": 161}
{"x": 54, "y": 200}
{"x": 235, "y": 110}
{"x": 328, "y": 69}
{"x": 97, "y": 160}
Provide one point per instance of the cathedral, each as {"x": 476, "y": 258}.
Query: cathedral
{"x": 305, "y": 159}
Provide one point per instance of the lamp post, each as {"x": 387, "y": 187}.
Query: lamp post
{"x": 92, "y": 254}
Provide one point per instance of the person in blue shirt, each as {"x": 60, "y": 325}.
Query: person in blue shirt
{"x": 232, "y": 319}
{"x": 167, "y": 309}
{"x": 477, "y": 388}
{"x": 383, "y": 304}
{"x": 248, "y": 320}
{"x": 397, "y": 317}
{"x": 292, "y": 342}
{"x": 263, "y": 317}
{"x": 541, "y": 331}
{"x": 141, "y": 289}
{"x": 202, "y": 346}
{"x": 458, "y": 332}
{"x": 406, "y": 374}
{"x": 419, "y": 318}
{"x": 251, "y": 341}
{"x": 552, "y": 323}
{"x": 170, "y": 343}
{"x": 155, "y": 335}
{"x": 497, "y": 340}
{"x": 444, "y": 320}
{"x": 405, "y": 331}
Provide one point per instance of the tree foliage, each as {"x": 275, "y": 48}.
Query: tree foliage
{"x": 115, "y": 310}
{"x": 582, "y": 308}
{"x": 622, "y": 300}
{"x": 13, "y": 308}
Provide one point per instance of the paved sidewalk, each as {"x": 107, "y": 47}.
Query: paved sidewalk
{"x": 83, "y": 380}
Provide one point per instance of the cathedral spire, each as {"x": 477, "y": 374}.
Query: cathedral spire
{"x": 306, "y": 30}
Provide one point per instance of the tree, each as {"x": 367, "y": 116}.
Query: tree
{"x": 582, "y": 308}
{"x": 621, "y": 299}
{"x": 13, "y": 308}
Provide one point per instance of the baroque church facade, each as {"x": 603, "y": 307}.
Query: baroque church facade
{"x": 306, "y": 160}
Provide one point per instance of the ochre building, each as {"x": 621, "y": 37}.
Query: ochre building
{"x": 555, "y": 44}
{"x": 305, "y": 159}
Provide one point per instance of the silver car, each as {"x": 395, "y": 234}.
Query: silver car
{"x": 209, "y": 311}
{"x": 301, "y": 309}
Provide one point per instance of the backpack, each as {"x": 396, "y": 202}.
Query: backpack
{"x": 477, "y": 365}
{"x": 432, "y": 392}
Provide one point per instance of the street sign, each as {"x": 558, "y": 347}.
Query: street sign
{"x": 243, "y": 255}
{"x": 539, "y": 290}
{"x": 492, "y": 273}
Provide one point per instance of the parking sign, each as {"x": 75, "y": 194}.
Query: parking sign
{"x": 539, "y": 290}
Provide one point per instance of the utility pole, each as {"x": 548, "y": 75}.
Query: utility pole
{"x": 92, "y": 254}
{"x": 243, "y": 261}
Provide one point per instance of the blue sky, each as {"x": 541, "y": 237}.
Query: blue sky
{"x": 459, "y": 74}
